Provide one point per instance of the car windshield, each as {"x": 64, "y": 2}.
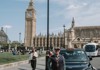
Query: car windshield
{"x": 89, "y": 48}
{"x": 74, "y": 56}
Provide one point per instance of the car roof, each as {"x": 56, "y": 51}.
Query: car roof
{"x": 91, "y": 44}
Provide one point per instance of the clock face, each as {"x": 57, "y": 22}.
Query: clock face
{"x": 29, "y": 14}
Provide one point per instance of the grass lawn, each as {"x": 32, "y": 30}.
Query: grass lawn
{"x": 9, "y": 58}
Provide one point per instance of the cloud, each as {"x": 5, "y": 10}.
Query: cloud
{"x": 76, "y": 6}
{"x": 7, "y": 26}
{"x": 86, "y": 10}
{"x": 68, "y": 8}
{"x": 89, "y": 20}
{"x": 85, "y": 4}
{"x": 72, "y": 7}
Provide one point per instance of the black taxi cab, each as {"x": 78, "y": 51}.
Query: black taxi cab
{"x": 76, "y": 59}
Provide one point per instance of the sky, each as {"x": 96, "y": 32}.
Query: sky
{"x": 12, "y": 15}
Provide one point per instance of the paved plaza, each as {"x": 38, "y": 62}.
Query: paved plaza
{"x": 40, "y": 65}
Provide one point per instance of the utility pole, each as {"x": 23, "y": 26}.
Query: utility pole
{"x": 64, "y": 35}
{"x": 20, "y": 37}
{"x": 47, "y": 57}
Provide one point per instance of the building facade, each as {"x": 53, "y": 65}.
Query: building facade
{"x": 72, "y": 37}
{"x": 30, "y": 25}
{"x": 31, "y": 40}
{"x": 78, "y": 36}
{"x": 3, "y": 37}
{"x": 54, "y": 40}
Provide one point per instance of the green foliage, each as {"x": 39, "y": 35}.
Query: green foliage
{"x": 15, "y": 43}
{"x": 3, "y": 43}
{"x": 9, "y": 57}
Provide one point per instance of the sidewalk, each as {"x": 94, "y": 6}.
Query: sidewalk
{"x": 40, "y": 65}
{"x": 20, "y": 64}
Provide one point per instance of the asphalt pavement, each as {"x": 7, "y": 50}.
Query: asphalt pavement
{"x": 96, "y": 62}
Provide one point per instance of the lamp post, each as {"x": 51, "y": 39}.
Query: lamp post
{"x": 20, "y": 38}
{"x": 47, "y": 24}
{"x": 64, "y": 35}
{"x": 9, "y": 45}
{"x": 46, "y": 68}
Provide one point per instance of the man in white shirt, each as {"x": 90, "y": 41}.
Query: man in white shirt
{"x": 33, "y": 58}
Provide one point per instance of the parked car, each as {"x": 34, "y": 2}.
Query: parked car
{"x": 76, "y": 59}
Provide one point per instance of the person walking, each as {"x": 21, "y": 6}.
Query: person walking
{"x": 48, "y": 55}
{"x": 56, "y": 61}
{"x": 33, "y": 58}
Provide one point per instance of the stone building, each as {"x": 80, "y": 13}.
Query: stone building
{"x": 73, "y": 37}
{"x": 30, "y": 32}
{"x": 54, "y": 40}
{"x": 78, "y": 36}
{"x": 30, "y": 25}
{"x": 3, "y": 37}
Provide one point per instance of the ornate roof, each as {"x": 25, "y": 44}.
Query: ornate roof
{"x": 87, "y": 31}
{"x": 30, "y": 5}
{"x": 87, "y": 27}
{"x": 2, "y": 33}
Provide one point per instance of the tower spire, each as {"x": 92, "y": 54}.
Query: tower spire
{"x": 30, "y": 4}
{"x": 31, "y": 0}
{"x": 73, "y": 22}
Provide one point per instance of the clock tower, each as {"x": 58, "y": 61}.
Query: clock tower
{"x": 30, "y": 25}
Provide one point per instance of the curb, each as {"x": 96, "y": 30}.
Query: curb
{"x": 14, "y": 64}
{"x": 5, "y": 66}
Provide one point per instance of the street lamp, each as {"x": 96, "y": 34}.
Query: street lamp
{"x": 47, "y": 24}
{"x": 19, "y": 37}
{"x": 47, "y": 57}
{"x": 64, "y": 35}
{"x": 9, "y": 45}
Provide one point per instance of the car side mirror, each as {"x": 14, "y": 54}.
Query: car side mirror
{"x": 90, "y": 58}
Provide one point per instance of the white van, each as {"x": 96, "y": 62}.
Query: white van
{"x": 91, "y": 49}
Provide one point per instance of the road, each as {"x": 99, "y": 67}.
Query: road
{"x": 41, "y": 64}
{"x": 96, "y": 62}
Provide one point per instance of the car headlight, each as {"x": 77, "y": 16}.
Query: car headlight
{"x": 90, "y": 68}
{"x": 87, "y": 68}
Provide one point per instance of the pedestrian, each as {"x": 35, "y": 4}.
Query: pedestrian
{"x": 33, "y": 58}
{"x": 56, "y": 61}
{"x": 47, "y": 58}
{"x": 50, "y": 53}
